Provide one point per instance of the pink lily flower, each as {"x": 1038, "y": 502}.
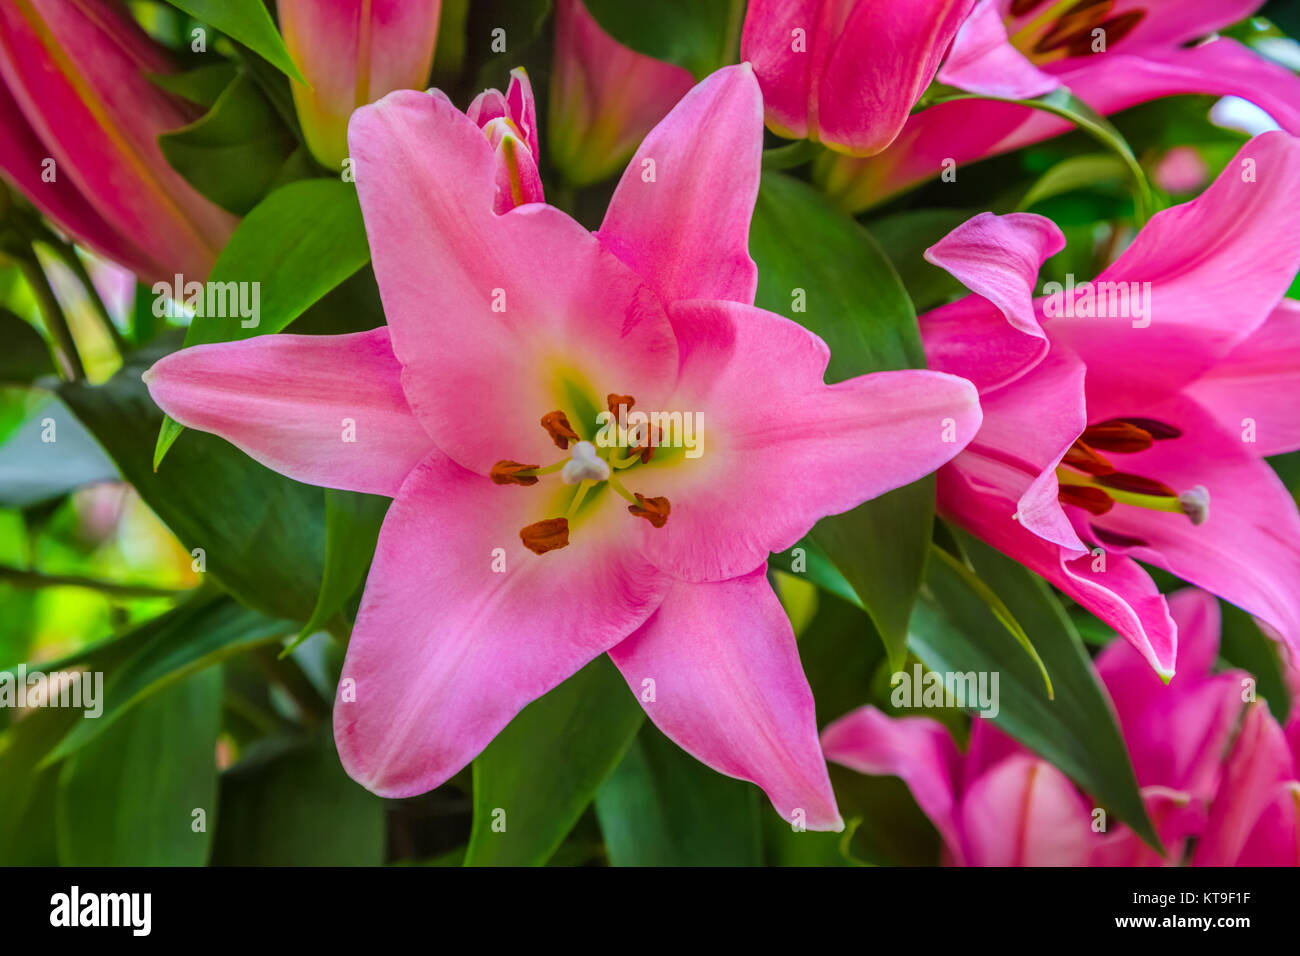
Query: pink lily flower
{"x": 79, "y": 126}
{"x": 352, "y": 52}
{"x": 1025, "y": 48}
{"x": 846, "y": 73}
{"x": 500, "y": 570}
{"x": 605, "y": 97}
{"x": 1137, "y": 435}
{"x": 1205, "y": 771}
{"x": 509, "y": 121}
{"x": 995, "y": 805}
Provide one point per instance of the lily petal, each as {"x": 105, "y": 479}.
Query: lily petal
{"x": 1025, "y": 812}
{"x": 781, "y": 449}
{"x": 729, "y": 690}
{"x": 680, "y": 215}
{"x": 446, "y": 650}
{"x": 982, "y": 60}
{"x": 323, "y": 409}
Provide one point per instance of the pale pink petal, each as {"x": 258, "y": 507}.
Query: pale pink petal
{"x": 918, "y": 750}
{"x": 680, "y": 215}
{"x": 780, "y": 448}
{"x": 1256, "y": 389}
{"x": 497, "y": 320}
{"x": 716, "y": 669}
{"x": 982, "y": 60}
{"x": 447, "y": 647}
{"x": 323, "y": 409}
{"x": 972, "y": 338}
{"x": 1024, "y": 812}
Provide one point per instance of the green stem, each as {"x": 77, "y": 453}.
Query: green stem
{"x": 55, "y": 321}
{"x": 35, "y": 579}
{"x": 789, "y": 156}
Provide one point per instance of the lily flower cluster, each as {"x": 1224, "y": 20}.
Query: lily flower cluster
{"x": 1116, "y": 425}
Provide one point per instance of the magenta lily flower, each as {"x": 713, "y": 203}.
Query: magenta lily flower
{"x": 1206, "y": 772}
{"x": 521, "y": 543}
{"x": 1135, "y": 430}
{"x": 846, "y": 72}
{"x": 605, "y": 97}
{"x": 352, "y": 52}
{"x": 995, "y": 805}
{"x": 1025, "y": 48}
{"x": 79, "y": 137}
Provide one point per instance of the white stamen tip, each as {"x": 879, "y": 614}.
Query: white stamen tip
{"x": 584, "y": 465}
{"x": 1196, "y": 504}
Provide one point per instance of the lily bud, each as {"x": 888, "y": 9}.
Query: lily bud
{"x": 604, "y": 97}
{"x": 351, "y": 53}
{"x": 79, "y": 127}
{"x": 846, "y": 73}
{"x": 509, "y": 121}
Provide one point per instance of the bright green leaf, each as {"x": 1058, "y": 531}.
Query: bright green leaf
{"x": 701, "y": 35}
{"x": 541, "y": 772}
{"x": 246, "y": 21}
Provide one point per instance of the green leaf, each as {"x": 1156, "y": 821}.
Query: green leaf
{"x": 50, "y": 455}
{"x": 246, "y": 21}
{"x": 289, "y": 803}
{"x": 128, "y": 798}
{"x": 541, "y": 772}
{"x": 184, "y": 641}
{"x": 904, "y": 236}
{"x": 1074, "y": 172}
{"x": 700, "y": 35}
{"x": 240, "y": 132}
{"x": 954, "y": 631}
{"x": 26, "y": 357}
{"x": 352, "y": 522}
{"x": 27, "y": 833}
{"x": 1061, "y": 102}
{"x": 299, "y": 242}
{"x": 262, "y": 535}
{"x": 662, "y": 807}
{"x": 807, "y": 560}
{"x": 202, "y": 86}
{"x": 856, "y": 302}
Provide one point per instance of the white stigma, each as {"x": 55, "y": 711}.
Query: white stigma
{"x": 1196, "y": 504}
{"x": 584, "y": 465}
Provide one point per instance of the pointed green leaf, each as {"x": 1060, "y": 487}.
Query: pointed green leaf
{"x": 246, "y": 21}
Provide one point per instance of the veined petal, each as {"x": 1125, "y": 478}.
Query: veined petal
{"x": 729, "y": 690}
{"x": 680, "y": 215}
{"x": 982, "y": 59}
{"x": 1247, "y": 551}
{"x": 1025, "y": 812}
{"x": 917, "y": 750}
{"x": 972, "y": 338}
{"x": 447, "y": 648}
{"x": 779, "y": 448}
{"x": 1260, "y": 763}
{"x": 1256, "y": 389}
{"x": 998, "y": 258}
{"x": 323, "y": 409}
{"x": 1216, "y": 267}
{"x": 534, "y": 308}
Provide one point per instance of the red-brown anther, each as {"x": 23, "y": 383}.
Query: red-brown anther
{"x": 557, "y": 426}
{"x": 1118, "y": 436}
{"x": 1087, "y": 460}
{"x": 647, "y": 447}
{"x": 1093, "y": 500}
{"x": 654, "y": 510}
{"x": 1157, "y": 430}
{"x": 614, "y": 401}
{"x": 1136, "y": 484}
{"x": 507, "y": 473}
{"x": 1021, "y": 7}
{"x": 548, "y": 535}
{"x": 1076, "y": 21}
{"x": 1115, "y": 29}
{"x": 1117, "y": 540}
